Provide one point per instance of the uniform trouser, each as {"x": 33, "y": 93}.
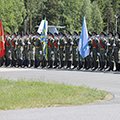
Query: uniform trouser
{"x": 31, "y": 62}
{"x": 95, "y": 64}
{"x": 87, "y": 63}
{"x": 7, "y": 61}
{"x": 25, "y": 62}
{"x": 1, "y": 62}
{"x": 110, "y": 64}
{"x": 19, "y": 63}
{"x": 68, "y": 64}
{"x": 75, "y": 63}
{"x": 56, "y": 62}
{"x": 80, "y": 64}
{"x": 43, "y": 62}
{"x": 37, "y": 63}
{"x": 13, "y": 62}
{"x": 94, "y": 60}
{"x": 117, "y": 66}
{"x": 50, "y": 63}
{"x": 61, "y": 63}
{"x": 102, "y": 59}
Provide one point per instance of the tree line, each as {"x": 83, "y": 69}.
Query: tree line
{"x": 25, "y": 15}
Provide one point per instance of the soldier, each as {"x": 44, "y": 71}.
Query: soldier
{"x": 56, "y": 57}
{"x": 31, "y": 49}
{"x": 102, "y": 50}
{"x": 80, "y": 59}
{"x": 19, "y": 48}
{"x": 13, "y": 51}
{"x": 94, "y": 51}
{"x": 50, "y": 50}
{"x": 61, "y": 50}
{"x": 116, "y": 48}
{"x": 25, "y": 51}
{"x": 68, "y": 51}
{"x": 38, "y": 49}
{"x": 2, "y": 59}
{"x": 8, "y": 57}
{"x": 74, "y": 44}
{"x": 109, "y": 52}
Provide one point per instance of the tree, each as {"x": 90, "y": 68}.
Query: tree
{"x": 12, "y": 13}
{"x": 34, "y": 13}
{"x": 116, "y": 9}
{"x": 86, "y": 11}
{"x": 71, "y": 14}
{"x": 109, "y": 16}
{"x": 97, "y": 21}
{"x": 52, "y": 11}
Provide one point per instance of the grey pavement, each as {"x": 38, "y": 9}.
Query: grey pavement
{"x": 108, "y": 110}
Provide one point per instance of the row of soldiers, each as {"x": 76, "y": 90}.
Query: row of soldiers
{"x": 62, "y": 52}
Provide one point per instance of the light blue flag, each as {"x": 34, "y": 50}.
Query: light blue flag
{"x": 83, "y": 42}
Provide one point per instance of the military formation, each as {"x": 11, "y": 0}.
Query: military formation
{"x": 62, "y": 52}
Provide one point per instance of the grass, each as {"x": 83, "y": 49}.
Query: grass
{"x": 25, "y": 94}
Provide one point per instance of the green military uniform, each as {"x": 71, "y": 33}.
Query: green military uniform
{"x": 94, "y": 51}
{"x": 80, "y": 59}
{"x": 116, "y": 48}
{"x": 74, "y": 53}
{"x": 109, "y": 52}
{"x": 38, "y": 49}
{"x": 25, "y": 53}
{"x": 8, "y": 56}
{"x": 102, "y": 50}
{"x": 61, "y": 52}
{"x": 13, "y": 52}
{"x": 50, "y": 52}
{"x": 19, "y": 56}
{"x": 31, "y": 55}
{"x": 56, "y": 57}
{"x": 68, "y": 53}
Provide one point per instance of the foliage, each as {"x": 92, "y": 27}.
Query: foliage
{"x": 18, "y": 14}
{"x": 12, "y": 12}
{"x": 86, "y": 11}
{"x": 97, "y": 21}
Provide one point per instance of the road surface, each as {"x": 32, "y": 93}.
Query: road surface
{"x": 107, "y": 110}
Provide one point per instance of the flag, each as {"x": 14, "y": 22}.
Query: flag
{"x": 42, "y": 30}
{"x": 2, "y": 41}
{"x": 83, "y": 42}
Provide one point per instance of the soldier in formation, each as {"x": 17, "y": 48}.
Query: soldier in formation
{"x": 62, "y": 52}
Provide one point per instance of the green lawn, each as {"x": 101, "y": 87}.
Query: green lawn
{"x": 25, "y": 94}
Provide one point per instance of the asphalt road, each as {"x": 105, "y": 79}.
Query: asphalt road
{"x": 107, "y": 110}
